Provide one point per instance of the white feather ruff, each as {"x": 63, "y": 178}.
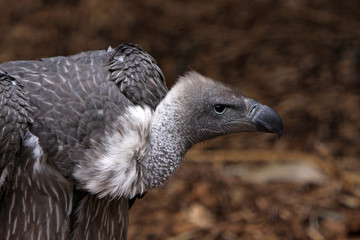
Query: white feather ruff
{"x": 119, "y": 169}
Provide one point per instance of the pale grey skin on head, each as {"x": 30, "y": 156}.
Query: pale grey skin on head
{"x": 82, "y": 136}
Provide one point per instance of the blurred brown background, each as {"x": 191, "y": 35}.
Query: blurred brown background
{"x": 300, "y": 57}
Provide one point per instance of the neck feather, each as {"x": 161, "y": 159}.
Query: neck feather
{"x": 140, "y": 151}
{"x": 168, "y": 143}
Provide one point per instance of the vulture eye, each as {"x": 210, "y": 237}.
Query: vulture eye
{"x": 220, "y": 108}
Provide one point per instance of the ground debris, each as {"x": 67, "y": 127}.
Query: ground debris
{"x": 295, "y": 172}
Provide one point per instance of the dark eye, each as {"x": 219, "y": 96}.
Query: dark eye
{"x": 220, "y": 108}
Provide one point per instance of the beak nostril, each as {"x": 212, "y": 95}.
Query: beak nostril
{"x": 252, "y": 110}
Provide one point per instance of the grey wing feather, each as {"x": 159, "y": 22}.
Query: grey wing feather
{"x": 37, "y": 202}
{"x": 68, "y": 96}
{"x": 15, "y": 115}
{"x": 34, "y": 204}
{"x": 137, "y": 75}
{"x": 101, "y": 219}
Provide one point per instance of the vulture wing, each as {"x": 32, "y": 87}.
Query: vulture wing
{"x": 52, "y": 111}
{"x": 136, "y": 74}
{"x": 14, "y": 119}
{"x": 33, "y": 195}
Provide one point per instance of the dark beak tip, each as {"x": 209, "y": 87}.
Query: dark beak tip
{"x": 277, "y": 126}
{"x": 273, "y": 127}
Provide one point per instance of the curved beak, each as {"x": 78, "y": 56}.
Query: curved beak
{"x": 264, "y": 118}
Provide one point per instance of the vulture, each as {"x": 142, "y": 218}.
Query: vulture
{"x": 82, "y": 136}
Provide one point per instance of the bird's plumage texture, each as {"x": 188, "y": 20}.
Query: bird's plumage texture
{"x": 129, "y": 68}
{"x": 82, "y": 136}
{"x": 118, "y": 171}
{"x": 14, "y": 118}
{"x": 67, "y": 104}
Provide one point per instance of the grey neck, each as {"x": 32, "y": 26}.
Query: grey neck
{"x": 169, "y": 141}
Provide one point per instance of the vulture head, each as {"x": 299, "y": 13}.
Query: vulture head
{"x": 206, "y": 108}
{"x": 198, "y": 108}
